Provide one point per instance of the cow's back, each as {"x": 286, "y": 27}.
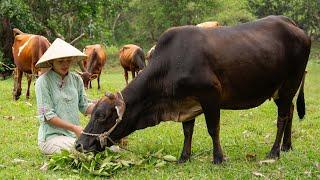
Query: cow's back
{"x": 126, "y": 54}
{"x": 27, "y": 50}
{"x": 97, "y": 58}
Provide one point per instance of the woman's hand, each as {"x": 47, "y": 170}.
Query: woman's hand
{"x": 77, "y": 130}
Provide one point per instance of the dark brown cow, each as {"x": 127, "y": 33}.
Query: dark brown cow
{"x": 131, "y": 59}
{"x": 27, "y": 50}
{"x": 93, "y": 64}
{"x": 202, "y": 70}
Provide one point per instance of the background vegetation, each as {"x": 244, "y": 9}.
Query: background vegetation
{"x": 118, "y": 22}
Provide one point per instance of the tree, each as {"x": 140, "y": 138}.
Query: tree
{"x": 306, "y": 13}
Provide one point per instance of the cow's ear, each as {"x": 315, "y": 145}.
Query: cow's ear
{"x": 120, "y": 105}
{"x": 109, "y": 95}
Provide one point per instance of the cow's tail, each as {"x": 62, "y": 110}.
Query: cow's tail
{"x": 93, "y": 60}
{"x": 301, "y": 108}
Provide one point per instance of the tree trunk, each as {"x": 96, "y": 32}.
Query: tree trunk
{"x": 6, "y": 40}
{"x": 114, "y": 26}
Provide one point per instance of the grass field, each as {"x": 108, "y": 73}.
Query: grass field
{"x": 243, "y": 133}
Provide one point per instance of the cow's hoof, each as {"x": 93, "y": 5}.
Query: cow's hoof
{"x": 273, "y": 155}
{"x": 218, "y": 160}
{"x": 183, "y": 160}
{"x": 286, "y": 147}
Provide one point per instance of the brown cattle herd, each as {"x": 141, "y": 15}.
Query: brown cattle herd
{"x": 28, "y": 48}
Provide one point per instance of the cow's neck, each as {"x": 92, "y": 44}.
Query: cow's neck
{"x": 141, "y": 109}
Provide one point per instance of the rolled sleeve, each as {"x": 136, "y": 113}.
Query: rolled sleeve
{"x": 44, "y": 102}
{"x": 83, "y": 99}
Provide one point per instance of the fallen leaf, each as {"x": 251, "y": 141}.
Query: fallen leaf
{"x": 317, "y": 165}
{"x": 246, "y": 134}
{"x": 160, "y": 164}
{"x": 268, "y": 161}
{"x": 18, "y": 161}
{"x": 44, "y": 167}
{"x": 116, "y": 148}
{"x": 9, "y": 117}
{"x": 251, "y": 156}
{"x": 29, "y": 104}
{"x": 308, "y": 173}
{"x": 169, "y": 158}
{"x": 257, "y": 174}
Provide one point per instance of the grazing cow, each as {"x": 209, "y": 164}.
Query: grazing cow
{"x": 26, "y": 50}
{"x": 131, "y": 59}
{"x": 93, "y": 64}
{"x": 200, "y": 70}
{"x": 209, "y": 24}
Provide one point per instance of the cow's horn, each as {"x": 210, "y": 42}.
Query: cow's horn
{"x": 79, "y": 72}
{"x": 120, "y": 104}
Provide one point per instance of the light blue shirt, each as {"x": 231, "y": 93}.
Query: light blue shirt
{"x": 62, "y": 98}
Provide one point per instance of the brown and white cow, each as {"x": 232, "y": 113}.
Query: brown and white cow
{"x": 93, "y": 64}
{"x": 26, "y": 50}
{"x": 131, "y": 59}
{"x": 202, "y": 70}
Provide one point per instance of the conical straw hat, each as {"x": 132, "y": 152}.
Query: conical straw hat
{"x": 59, "y": 49}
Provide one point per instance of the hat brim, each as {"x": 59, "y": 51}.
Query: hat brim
{"x": 59, "y": 49}
{"x": 47, "y": 63}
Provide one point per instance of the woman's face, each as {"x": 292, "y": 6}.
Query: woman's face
{"x": 61, "y": 66}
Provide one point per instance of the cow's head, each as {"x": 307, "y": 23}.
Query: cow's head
{"x": 139, "y": 60}
{"x": 103, "y": 127}
{"x": 87, "y": 77}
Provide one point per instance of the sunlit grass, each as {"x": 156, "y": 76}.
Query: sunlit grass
{"x": 242, "y": 132}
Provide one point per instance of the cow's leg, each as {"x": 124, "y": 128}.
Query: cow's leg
{"x": 187, "y": 131}
{"x": 29, "y": 77}
{"x": 284, "y": 111}
{"x": 133, "y": 74}
{"x": 98, "y": 79}
{"x": 90, "y": 85}
{"x": 286, "y": 143}
{"x": 212, "y": 115}
{"x": 17, "y": 83}
{"x": 126, "y": 76}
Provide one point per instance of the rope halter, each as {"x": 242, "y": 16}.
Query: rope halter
{"x": 105, "y": 135}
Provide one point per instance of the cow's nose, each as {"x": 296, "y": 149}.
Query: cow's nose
{"x": 79, "y": 147}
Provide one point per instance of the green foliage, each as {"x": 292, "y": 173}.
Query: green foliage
{"x": 305, "y": 13}
{"x": 104, "y": 163}
{"x": 5, "y": 64}
{"x": 232, "y": 12}
{"x": 20, "y": 15}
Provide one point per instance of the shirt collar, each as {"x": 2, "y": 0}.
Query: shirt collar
{"x": 61, "y": 82}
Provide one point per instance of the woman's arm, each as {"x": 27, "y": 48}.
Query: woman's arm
{"x": 58, "y": 122}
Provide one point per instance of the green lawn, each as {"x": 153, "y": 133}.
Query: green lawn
{"x": 245, "y": 132}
